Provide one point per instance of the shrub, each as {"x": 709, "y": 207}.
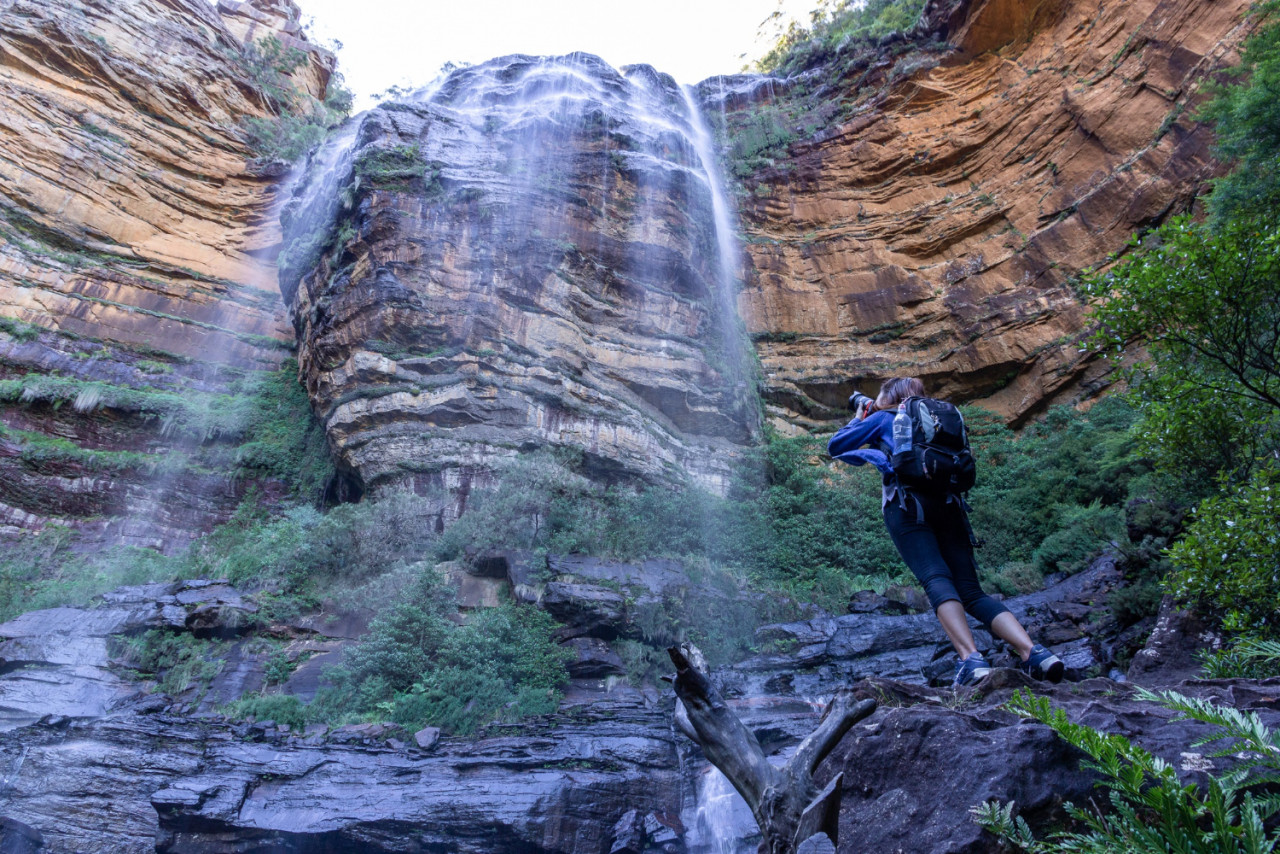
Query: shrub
{"x": 503, "y": 664}
{"x": 416, "y": 667}
{"x": 299, "y": 122}
{"x": 284, "y": 440}
{"x": 1229, "y": 559}
{"x": 18, "y": 329}
{"x": 280, "y": 708}
{"x": 180, "y": 661}
{"x": 404, "y": 641}
{"x": 45, "y": 570}
{"x": 1137, "y": 600}
{"x": 267, "y": 63}
{"x": 304, "y": 552}
{"x": 1053, "y": 497}
{"x": 394, "y": 168}
{"x": 285, "y": 137}
{"x": 1013, "y": 578}
{"x": 1082, "y": 533}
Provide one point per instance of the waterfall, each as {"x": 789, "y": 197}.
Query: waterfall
{"x": 726, "y": 234}
{"x": 722, "y": 822}
{"x": 308, "y": 208}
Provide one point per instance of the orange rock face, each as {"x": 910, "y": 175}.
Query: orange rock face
{"x": 124, "y": 187}
{"x": 137, "y": 240}
{"x": 937, "y": 231}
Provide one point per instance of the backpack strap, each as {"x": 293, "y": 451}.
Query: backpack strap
{"x": 962, "y": 500}
{"x": 902, "y": 502}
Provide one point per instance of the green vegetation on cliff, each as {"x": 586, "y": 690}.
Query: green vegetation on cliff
{"x": 300, "y": 122}
{"x": 835, "y": 25}
{"x": 262, "y": 427}
{"x": 263, "y": 431}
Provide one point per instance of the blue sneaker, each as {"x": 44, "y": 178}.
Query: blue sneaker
{"x": 1043, "y": 664}
{"x": 971, "y": 670}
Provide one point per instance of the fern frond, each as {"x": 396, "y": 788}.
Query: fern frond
{"x": 1245, "y": 728}
{"x": 1259, "y": 650}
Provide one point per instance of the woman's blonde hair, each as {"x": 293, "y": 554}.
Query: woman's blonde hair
{"x": 898, "y": 389}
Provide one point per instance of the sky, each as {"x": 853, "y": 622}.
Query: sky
{"x": 401, "y": 42}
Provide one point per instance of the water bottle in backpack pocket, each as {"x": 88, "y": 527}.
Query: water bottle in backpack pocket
{"x": 931, "y": 447}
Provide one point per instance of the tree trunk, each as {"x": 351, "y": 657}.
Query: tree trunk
{"x": 795, "y": 817}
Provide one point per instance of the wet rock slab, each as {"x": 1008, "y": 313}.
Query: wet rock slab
{"x": 92, "y": 764}
{"x": 813, "y": 658}
{"x": 171, "y": 784}
{"x": 57, "y": 661}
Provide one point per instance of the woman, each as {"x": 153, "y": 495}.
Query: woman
{"x": 932, "y": 535}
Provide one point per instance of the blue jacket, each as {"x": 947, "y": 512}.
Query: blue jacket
{"x": 876, "y": 430}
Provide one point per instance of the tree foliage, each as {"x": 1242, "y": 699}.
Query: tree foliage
{"x": 1196, "y": 306}
{"x": 298, "y": 122}
{"x": 1229, "y": 559}
{"x": 1246, "y": 118}
{"x": 1206, "y": 305}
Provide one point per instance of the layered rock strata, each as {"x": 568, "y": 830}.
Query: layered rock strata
{"x": 527, "y": 257}
{"x": 938, "y": 221}
{"x": 137, "y": 243}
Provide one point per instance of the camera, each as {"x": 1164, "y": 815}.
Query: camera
{"x": 860, "y": 404}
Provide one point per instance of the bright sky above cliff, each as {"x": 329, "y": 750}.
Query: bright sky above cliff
{"x": 403, "y": 42}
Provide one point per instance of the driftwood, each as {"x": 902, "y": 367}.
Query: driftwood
{"x": 795, "y": 816}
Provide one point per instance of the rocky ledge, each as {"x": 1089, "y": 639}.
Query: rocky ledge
{"x": 93, "y": 762}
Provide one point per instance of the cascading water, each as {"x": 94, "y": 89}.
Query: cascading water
{"x": 310, "y": 206}
{"x": 726, "y": 234}
{"x": 545, "y": 250}
{"x": 722, "y": 822}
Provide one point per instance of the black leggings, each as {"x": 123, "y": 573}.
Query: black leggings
{"x": 939, "y": 554}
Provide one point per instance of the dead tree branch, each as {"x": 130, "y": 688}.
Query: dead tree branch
{"x": 785, "y": 801}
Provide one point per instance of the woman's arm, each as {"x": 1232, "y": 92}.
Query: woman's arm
{"x": 857, "y": 433}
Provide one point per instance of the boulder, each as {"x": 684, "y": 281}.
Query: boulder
{"x": 1170, "y": 654}
{"x": 17, "y": 838}
{"x": 585, "y": 609}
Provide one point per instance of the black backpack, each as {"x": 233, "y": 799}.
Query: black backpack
{"x": 931, "y": 447}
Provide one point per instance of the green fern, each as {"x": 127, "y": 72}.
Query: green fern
{"x": 1248, "y": 659}
{"x": 1151, "y": 810}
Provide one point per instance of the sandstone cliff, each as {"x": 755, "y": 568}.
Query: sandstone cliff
{"x": 936, "y": 224}
{"x": 527, "y": 257}
{"x": 137, "y": 245}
